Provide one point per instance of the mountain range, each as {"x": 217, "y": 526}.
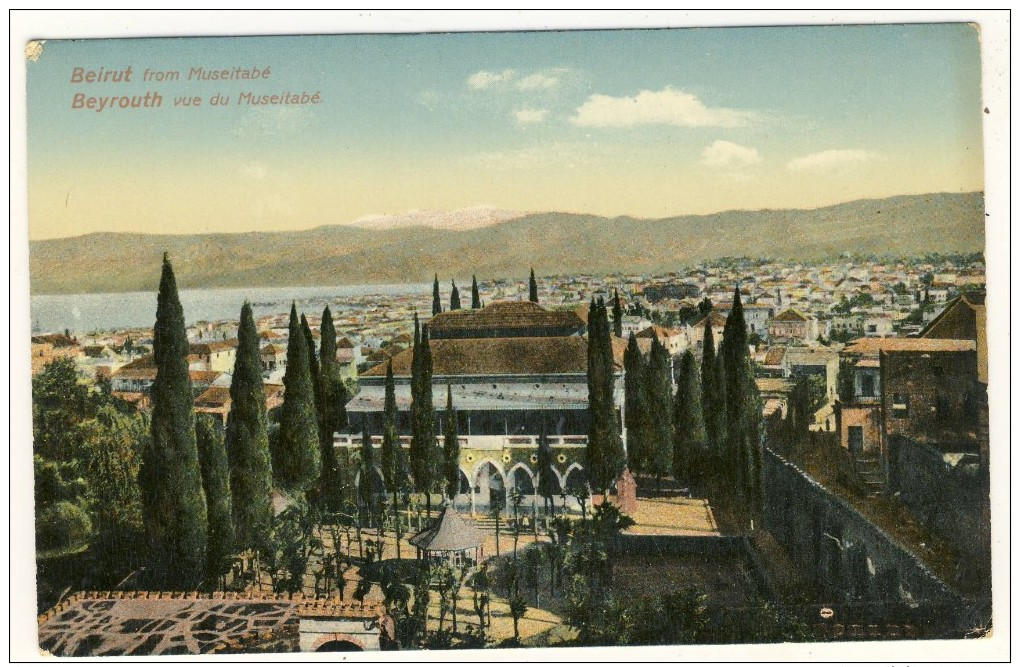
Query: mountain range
{"x": 491, "y": 243}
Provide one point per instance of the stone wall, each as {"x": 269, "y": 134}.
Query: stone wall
{"x": 853, "y": 561}
{"x": 946, "y": 493}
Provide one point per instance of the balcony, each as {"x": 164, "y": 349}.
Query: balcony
{"x": 479, "y": 442}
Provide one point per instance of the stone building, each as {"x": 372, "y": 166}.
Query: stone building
{"x": 512, "y": 368}
{"x": 793, "y": 326}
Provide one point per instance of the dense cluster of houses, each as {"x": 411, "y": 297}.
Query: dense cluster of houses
{"x": 820, "y": 321}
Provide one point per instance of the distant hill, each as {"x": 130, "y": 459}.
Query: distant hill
{"x": 551, "y": 242}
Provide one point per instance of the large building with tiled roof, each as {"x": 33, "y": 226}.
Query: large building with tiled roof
{"x": 506, "y": 388}
{"x": 506, "y": 319}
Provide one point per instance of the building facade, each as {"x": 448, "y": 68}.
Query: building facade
{"x": 506, "y": 389}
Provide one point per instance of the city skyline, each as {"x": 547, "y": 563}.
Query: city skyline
{"x": 649, "y": 123}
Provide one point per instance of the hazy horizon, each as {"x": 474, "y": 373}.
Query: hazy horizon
{"x": 518, "y": 213}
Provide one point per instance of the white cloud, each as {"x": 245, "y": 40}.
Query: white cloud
{"x": 657, "y": 107}
{"x": 830, "y": 160}
{"x": 485, "y": 79}
{"x": 527, "y": 116}
{"x": 542, "y": 80}
{"x": 728, "y": 154}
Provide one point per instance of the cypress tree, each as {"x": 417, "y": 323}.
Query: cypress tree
{"x": 719, "y": 428}
{"x": 313, "y": 360}
{"x": 423, "y": 433}
{"x": 605, "y": 456}
{"x": 392, "y": 459}
{"x": 454, "y": 296}
{"x": 617, "y": 315}
{"x": 710, "y": 390}
{"x": 451, "y": 448}
{"x": 743, "y": 409}
{"x": 366, "y": 498}
{"x": 391, "y": 455}
{"x": 247, "y": 440}
{"x": 533, "y": 288}
{"x": 212, "y": 455}
{"x": 300, "y": 459}
{"x": 634, "y": 408}
{"x": 548, "y": 485}
{"x": 332, "y": 413}
{"x": 171, "y": 480}
{"x": 659, "y": 402}
{"x": 437, "y": 304}
{"x": 690, "y": 438}
{"x": 476, "y": 301}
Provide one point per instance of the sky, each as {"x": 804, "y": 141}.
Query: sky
{"x": 646, "y": 123}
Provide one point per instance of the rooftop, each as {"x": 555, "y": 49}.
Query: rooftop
{"x": 449, "y": 533}
{"x": 505, "y": 315}
{"x": 790, "y": 315}
{"x": 872, "y": 346}
{"x": 503, "y": 356}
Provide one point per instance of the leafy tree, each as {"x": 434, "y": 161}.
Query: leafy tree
{"x": 216, "y": 481}
{"x": 617, "y": 315}
{"x": 451, "y": 448}
{"x": 635, "y": 409}
{"x": 60, "y": 401}
{"x": 533, "y": 288}
{"x": 437, "y": 303}
{"x": 481, "y": 596}
{"x": 454, "y": 296}
{"x": 300, "y": 462}
{"x": 291, "y": 542}
{"x": 396, "y": 598}
{"x": 690, "y": 448}
{"x": 62, "y": 525}
{"x": 605, "y": 455}
{"x": 247, "y": 440}
{"x": 114, "y": 495}
{"x": 518, "y": 607}
{"x": 659, "y": 406}
{"x": 476, "y": 301}
{"x": 53, "y": 483}
{"x": 667, "y": 619}
{"x": 590, "y": 605}
{"x": 705, "y": 307}
{"x": 171, "y": 482}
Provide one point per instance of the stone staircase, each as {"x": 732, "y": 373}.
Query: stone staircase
{"x": 871, "y": 474}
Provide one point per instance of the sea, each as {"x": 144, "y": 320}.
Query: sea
{"x": 87, "y": 313}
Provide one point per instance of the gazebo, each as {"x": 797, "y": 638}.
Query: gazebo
{"x": 450, "y": 539}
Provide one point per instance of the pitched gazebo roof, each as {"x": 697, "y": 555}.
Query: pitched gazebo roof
{"x": 448, "y": 533}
